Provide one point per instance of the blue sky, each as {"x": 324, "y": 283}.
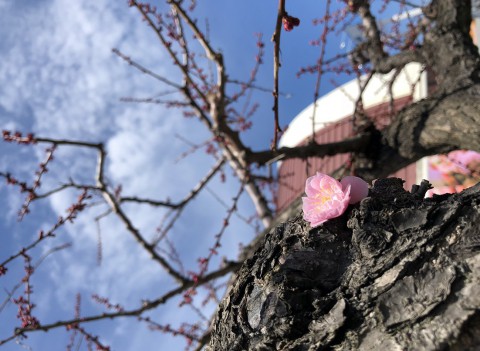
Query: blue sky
{"x": 59, "y": 78}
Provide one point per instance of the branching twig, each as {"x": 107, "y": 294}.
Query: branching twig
{"x": 186, "y": 199}
{"x": 146, "y": 306}
{"x": 115, "y": 206}
{"x": 146, "y": 70}
{"x": 323, "y": 40}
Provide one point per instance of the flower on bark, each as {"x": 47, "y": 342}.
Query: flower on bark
{"x": 358, "y": 188}
{"x": 328, "y": 198}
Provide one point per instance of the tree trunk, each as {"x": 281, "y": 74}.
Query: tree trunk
{"x": 396, "y": 272}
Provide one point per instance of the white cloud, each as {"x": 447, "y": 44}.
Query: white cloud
{"x": 61, "y": 72}
{"x": 63, "y": 67}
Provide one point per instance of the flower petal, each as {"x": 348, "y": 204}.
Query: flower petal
{"x": 359, "y": 188}
{"x": 326, "y": 198}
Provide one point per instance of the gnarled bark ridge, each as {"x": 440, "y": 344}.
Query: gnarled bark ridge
{"x": 396, "y": 272}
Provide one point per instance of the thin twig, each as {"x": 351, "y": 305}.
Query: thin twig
{"x": 276, "y": 67}
{"x": 145, "y": 70}
{"x": 186, "y": 199}
{"x": 323, "y": 40}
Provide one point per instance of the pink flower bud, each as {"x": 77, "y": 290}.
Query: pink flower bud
{"x": 358, "y": 188}
{"x": 289, "y": 22}
{"x": 326, "y": 198}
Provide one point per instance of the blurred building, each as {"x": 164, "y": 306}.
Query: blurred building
{"x": 333, "y": 122}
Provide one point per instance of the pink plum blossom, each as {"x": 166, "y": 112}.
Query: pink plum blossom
{"x": 326, "y": 198}
{"x": 467, "y": 160}
{"x": 358, "y": 188}
{"x": 459, "y": 161}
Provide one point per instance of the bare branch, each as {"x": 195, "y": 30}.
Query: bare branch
{"x": 177, "y": 63}
{"x": 256, "y": 87}
{"x": 199, "y": 36}
{"x": 72, "y": 213}
{"x": 68, "y": 142}
{"x": 353, "y": 144}
{"x": 62, "y": 187}
{"x": 276, "y": 67}
{"x": 115, "y": 206}
{"x": 205, "y": 339}
{"x": 181, "y": 35}
{"x": 373, "y": 48}
{"x": 323, "y": 40}
{"x": 360, "y": 123}
{"x": 224, "y": 204}
{"x": 146, "y": 70}
{"x": 165, "y": 228}
{"x": 37, "y": 264}
{"x": 146, "y": 306}
{"x": 188, "y": 198}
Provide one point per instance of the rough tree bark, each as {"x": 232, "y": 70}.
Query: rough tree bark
{"x": 396, "y": 272}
